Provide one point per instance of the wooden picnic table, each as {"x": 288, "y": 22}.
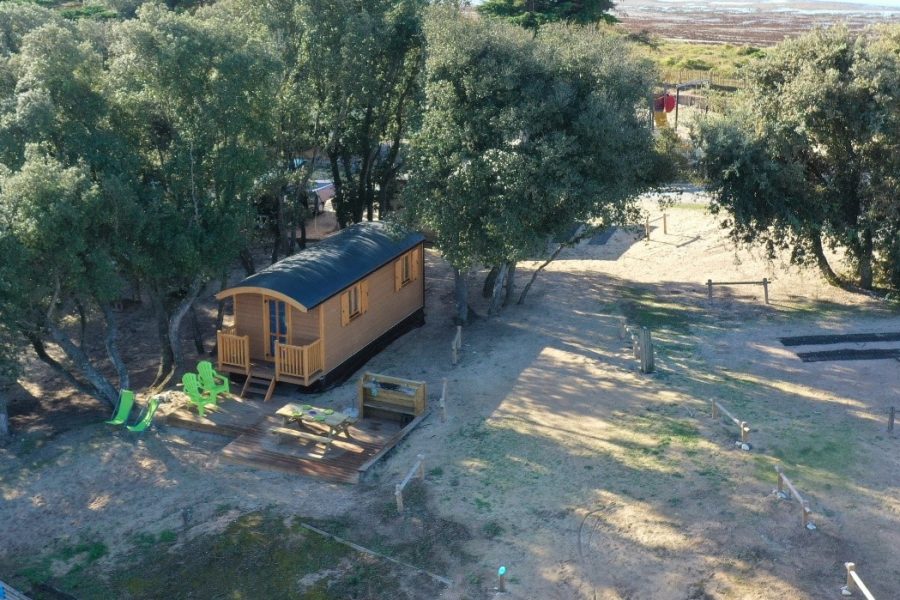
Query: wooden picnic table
{"x": 306, "y": 414}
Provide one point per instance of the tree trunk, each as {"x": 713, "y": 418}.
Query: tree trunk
{"x": 166, "y": 359}
{"x": 510, "y": 283}
{"x": 247, "y": 262}
{"x": 488, "y": 287}
{"x": 174, "y": 330}
{"x": 4, "y": 417}
{"x": 103, "y": 390}
{"x": 220, "y": 313}
{"x": 82, "y": 318}
{"x": 41, "y": 352}
{"x": 461, "y": 288}
{"x": 537, "y": 271}
{"x": 197, "y": 331}
{"x": 112, "y": 346}
{"x": 279, "y": 229}
{"x": 822, "y": 261}
{"x": 497, "y": 294}
{"x": 864, "y": 268}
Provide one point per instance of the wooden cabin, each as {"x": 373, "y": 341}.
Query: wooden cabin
{"x": 315, "y": 317}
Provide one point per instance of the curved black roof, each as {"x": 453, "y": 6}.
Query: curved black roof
{"x": 322, "y": 270}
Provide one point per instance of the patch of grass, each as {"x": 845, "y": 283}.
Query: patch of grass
{"x": 482, "y": 504}
{"x": 492, "y": 529}
{"x": 257, "y": 556}
{"x": 436, "y": 472}
{"x": 79, "y": 559}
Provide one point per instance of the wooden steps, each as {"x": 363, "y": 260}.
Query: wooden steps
{"x": 260, "y": 382}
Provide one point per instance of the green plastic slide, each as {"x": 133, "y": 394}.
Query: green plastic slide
{"x": 200, "y": 398}
{"x": 211, "y": 381}
{"x": 147, "y": 417}
{"x": 123, "y": 408}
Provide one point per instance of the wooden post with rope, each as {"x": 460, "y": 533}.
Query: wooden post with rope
{"x": 417, "y": 468}
{"x": 743, "y": 426}
{"x": 855, "y": 583}
{"x": 783, "y": 482}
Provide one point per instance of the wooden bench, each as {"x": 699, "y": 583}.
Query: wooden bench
{"x": 392, "y": 398}
{"x": 284, "y": 433}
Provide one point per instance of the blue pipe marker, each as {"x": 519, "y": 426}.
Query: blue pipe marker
{"x": 501, "y": 574}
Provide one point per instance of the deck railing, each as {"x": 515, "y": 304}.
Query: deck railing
{"x": 299, "y": 361}
{"x": 234, "y": 350}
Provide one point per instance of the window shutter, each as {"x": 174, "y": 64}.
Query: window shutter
{"x": 398, "y": 274}
{"x": 416, "y": 262}
{"x": 345, "y": 309}
{"x": 363, "y": 297}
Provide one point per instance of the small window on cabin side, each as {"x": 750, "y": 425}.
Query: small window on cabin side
{"x": 405, "y": 270}
{"x": 354, "y": 302}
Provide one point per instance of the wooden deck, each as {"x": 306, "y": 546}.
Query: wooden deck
{"x": 250, "y": 423}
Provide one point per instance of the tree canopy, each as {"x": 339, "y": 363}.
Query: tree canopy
{"x": 808, "y": 156}
{"x": 531, "y": 14}
{"x": 523, "y": 136}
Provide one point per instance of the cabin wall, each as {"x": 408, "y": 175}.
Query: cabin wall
{"x": 248, "y": 320}
{"x": 386, "y": 308}
{"x": 304, "y": 326}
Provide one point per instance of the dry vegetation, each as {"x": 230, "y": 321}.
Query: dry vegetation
{"x": 558, "y": 460}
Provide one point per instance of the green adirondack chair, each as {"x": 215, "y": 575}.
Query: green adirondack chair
{"x": 211, "y": 381}
{"x": 146, "y": 418}
{"x": 123, "y": 408}
{"x": 200, "y": 398}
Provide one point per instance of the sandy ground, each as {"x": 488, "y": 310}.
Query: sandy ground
{"x": 584, "y": 477}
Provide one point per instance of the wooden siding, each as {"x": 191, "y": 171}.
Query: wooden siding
{"x": 304, "y": 327}
{"x": 386, "y": 308}
{"x": 248, "y": 320}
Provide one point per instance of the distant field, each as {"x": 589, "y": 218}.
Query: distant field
{"x": 741, "y": 24}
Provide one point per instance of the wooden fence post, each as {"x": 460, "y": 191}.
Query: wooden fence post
{"x": 665, "y": 222}
{"x": 715, "y": 410}
{"x": 635, "y": 345}
{"x": 421, "y": 459}
{"x": 891, "y": 420}
{"x": 766, "y": 288}
{"x": 398, "y": 495}
{"x": 501, "y": 579}
{"x": 443, "y": 402}
{"x": 647, "y": 228}
{"x": 623, "y": 328}
{"x": 646, "y": 351}
{"x": 709, "y": 288}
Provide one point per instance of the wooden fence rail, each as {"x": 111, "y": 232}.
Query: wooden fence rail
{"x": 765, "y": 283}
{"x": 742, "y": 425}
{"x": 855, "y": 584}
{"x": 783, "y": 482}
{"x": 417, "y": 468}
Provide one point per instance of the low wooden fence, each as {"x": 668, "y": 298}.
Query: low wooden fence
{"x": 648, "y": 220}
{"x": 765, "y": 283}
{"x": 743, "y": 426}
{"x": 417, "y": 468}
{"x": 855, "y": 583}
{"x": 783, "y": 482}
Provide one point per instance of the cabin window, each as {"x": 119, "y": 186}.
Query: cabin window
{"x": 354, "y": 302}
{"x": 405, "y": 269}
{"x": 276, "y": 312}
